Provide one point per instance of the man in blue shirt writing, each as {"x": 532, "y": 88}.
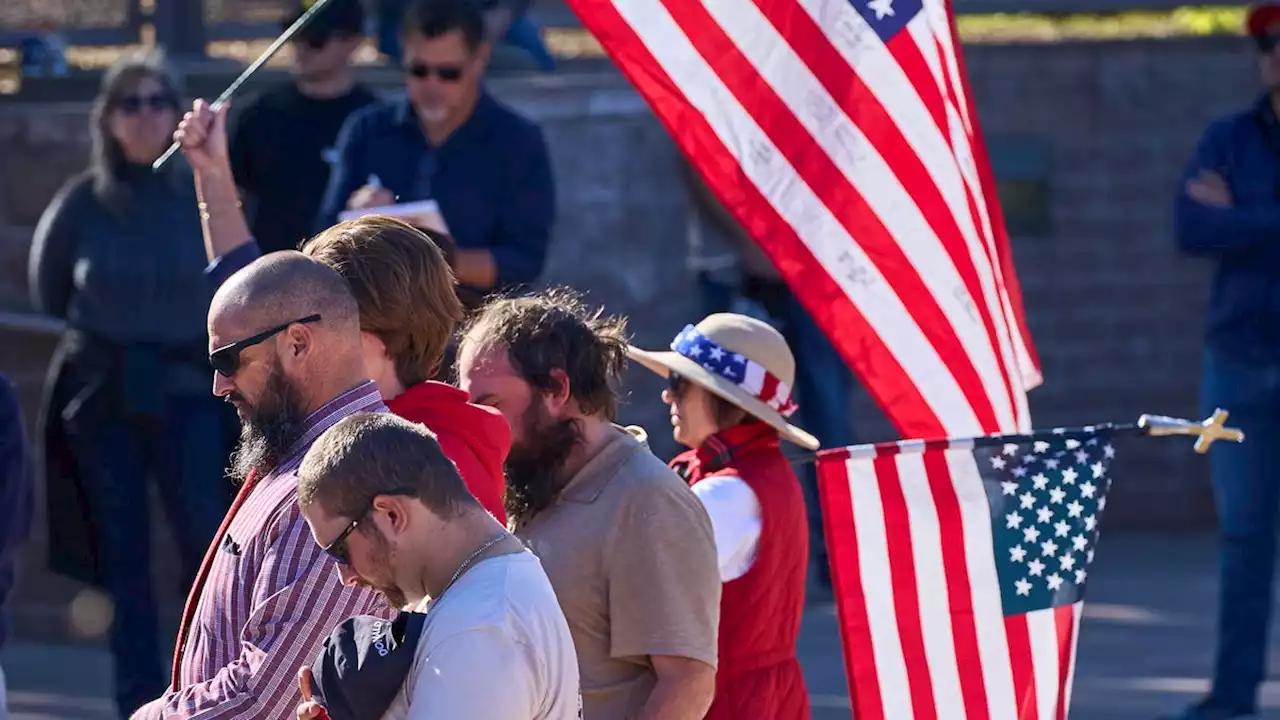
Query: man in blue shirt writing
{"x": 1228, "y": 211}
{"x": 448, "y": 140}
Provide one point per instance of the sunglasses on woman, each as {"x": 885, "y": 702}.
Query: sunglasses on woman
{"x": 1267, "y": 41}
{"x": 226, "y": 359}
{"x": 447, "y": 73}
{"x": 134, "y": 104}
{"x": 676, "y": 384}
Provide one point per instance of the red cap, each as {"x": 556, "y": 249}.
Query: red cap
{"x": 1261, "y": 17}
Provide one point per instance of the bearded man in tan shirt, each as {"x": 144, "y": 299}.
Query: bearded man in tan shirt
{"x": 627, "y": 545}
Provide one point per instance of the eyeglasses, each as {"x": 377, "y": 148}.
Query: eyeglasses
{"x": 676, "y": 384}
{"x": 337, "y": 549}
{"x": 226, "y": 359}
{"x": 134, "y": 104}
{"x": 1267, "y": 41}
{"x": 447, "y": 73}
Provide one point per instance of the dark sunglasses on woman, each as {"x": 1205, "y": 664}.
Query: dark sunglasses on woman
{"x": 422, "y": 71}
{"x": 159, "y": 102}
{"x": 226, "y": 359}
{"x": 1267, "y": 41}
{"x": 675, "y": 383}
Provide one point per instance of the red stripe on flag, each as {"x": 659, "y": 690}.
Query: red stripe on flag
{"x": 1018, "y": 635}
{"x": 816, "y": 51}
{"x": 884, "y": 377}
{"x": 1064, "y": 620}
{"x": 906, "y": 596}
{"x": 846, "y": 581}
{"x": 842, "y": 199}
{"x": 964, "y": 628}
{"x": 909, "y": 57}
{"x": 1004, "y": 253}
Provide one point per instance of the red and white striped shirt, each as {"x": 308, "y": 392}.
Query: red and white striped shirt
{"x": 271, "y": 597}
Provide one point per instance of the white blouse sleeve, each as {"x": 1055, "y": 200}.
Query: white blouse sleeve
{"x": 735, "y": 517}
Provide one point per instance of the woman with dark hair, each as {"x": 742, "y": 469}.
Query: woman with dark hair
{"x": 729, "y": 382}
{"x": 117, "y": 255}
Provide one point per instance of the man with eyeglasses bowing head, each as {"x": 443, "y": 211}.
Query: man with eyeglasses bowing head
{"x": 449, "y": 141}
{"x": 284, "y": 334}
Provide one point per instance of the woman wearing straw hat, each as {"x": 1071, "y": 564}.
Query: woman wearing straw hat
{"x": 729, "y": 388}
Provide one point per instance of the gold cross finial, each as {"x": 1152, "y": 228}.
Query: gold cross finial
{"x": 1207, "y": 431}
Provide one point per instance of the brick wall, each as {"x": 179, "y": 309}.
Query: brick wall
{"x": 1115, "y": 313}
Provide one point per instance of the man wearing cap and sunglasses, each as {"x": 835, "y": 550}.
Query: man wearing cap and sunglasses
{"x": 282, "y": 141}
{"x": 285, "y": 346}
{"x": 1228, "y": 212}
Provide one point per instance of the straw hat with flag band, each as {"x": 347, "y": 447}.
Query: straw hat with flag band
{"x": 742, "y": 360}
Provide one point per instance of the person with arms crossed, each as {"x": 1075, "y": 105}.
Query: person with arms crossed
{"x": 404, "y": 290}
{"x": 628, "y": 547}
{"x": 383, "y": 499}
{"x": 1227, "y": 211}
{"x": 284, "y": 339}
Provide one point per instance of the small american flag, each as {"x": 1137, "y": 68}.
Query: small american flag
{"x": 843, "y": 137}
{"x": 960, "y": 569}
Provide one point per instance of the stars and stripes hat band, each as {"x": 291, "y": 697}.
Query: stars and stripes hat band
{"x": 740, "y": 359}
{"x": 742, "y": 371}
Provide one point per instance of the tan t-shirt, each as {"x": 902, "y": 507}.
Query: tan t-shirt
{"x": 632, "y": 557}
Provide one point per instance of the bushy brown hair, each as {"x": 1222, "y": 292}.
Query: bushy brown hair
{"x": 557, "y": 330}
{"x": 403, "y": 285}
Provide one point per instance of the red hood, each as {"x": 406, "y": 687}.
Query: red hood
{"x": 475, "y": 437}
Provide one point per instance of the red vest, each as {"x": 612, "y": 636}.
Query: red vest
{"x": 759, "y": 675}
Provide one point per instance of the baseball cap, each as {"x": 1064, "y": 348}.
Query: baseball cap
{"x": 1261, "y": 17}
{"x": 338, "y": 16}
{"x": 363, "y": 663}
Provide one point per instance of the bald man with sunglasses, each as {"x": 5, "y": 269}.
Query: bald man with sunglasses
{"x": 284, "y": 338}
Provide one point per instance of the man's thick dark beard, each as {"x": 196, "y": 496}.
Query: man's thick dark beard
{"x": 535, "y": 466}
{"x": 268, "y": 431}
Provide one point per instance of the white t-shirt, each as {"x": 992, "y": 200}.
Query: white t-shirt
{"x": 736, "y": 520}
{"x": 495, "y": 647}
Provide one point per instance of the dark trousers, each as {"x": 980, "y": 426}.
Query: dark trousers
{"x": 184, "y": 451}
{"x": 823, "y": 387}
{"x": 1246, "y": 483}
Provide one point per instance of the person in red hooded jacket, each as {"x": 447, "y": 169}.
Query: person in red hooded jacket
{"x": 729, "y": 388}
{"x": 406, "y": 293}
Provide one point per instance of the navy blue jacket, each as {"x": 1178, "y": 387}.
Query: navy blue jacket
{"x": 1243, "y": 240}
{"x": 16, "y": 503}
{"x": 491, "y": 177}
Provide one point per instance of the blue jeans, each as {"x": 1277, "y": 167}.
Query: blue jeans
{"x": 1246, "y": 484}
{"x": 822, "y": 389}
{"x": 184, "y": 452}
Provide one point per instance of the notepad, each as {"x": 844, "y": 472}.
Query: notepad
{"x": 423, "y": 214}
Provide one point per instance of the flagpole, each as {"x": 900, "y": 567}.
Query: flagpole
{"x": 266, "y": 55}
{"x": 1206, "y": 432}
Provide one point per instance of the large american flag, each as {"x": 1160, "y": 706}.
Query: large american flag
{"x": 960, "y": 568}
{"x": 842, "y": 135}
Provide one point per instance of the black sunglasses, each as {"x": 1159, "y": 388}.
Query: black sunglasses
{"x": 338, "y": 549}
{"x": 1267, "y": 41}
{"x": 675, "y": 383}
{"x": 133, "y": 104}
{"x": 226, "y": 359}
{"x": 447, "y": 73}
